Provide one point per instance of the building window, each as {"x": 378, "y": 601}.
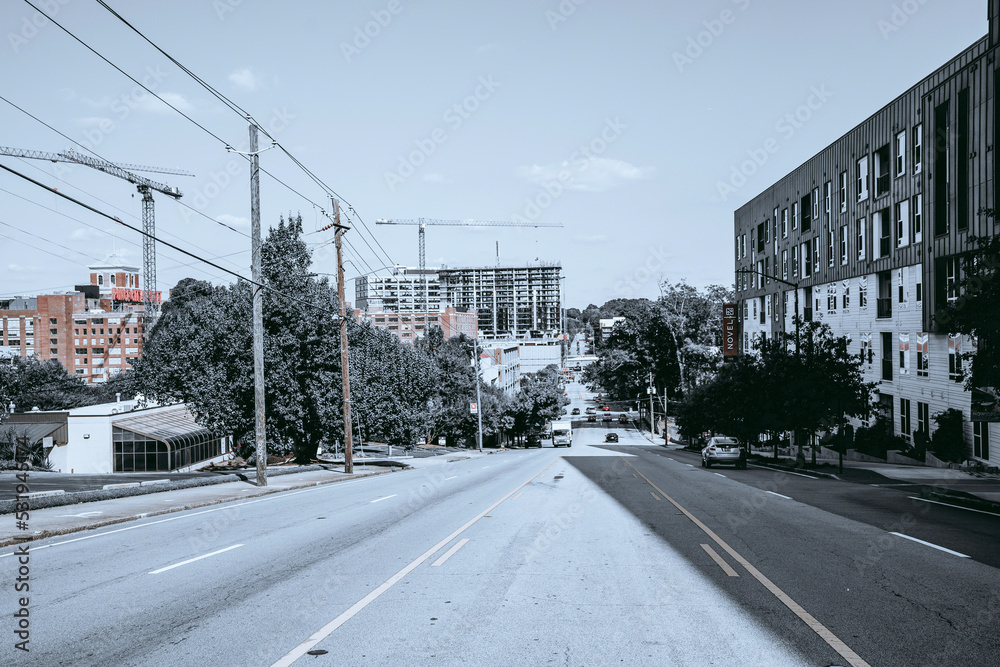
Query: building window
{"x": 815, "y": 203}
{"x": 795, "y": 262}
{"x": 901, "y": 153}
{"x": 112, "y": 279}
{"x": 883, "y": 170}
{"x": 53, "y": 320}
{"x": 784, "y": 223}
{"x": 863, "y": 292}
{"x": 867, "y": 352}
{"x": 922, "y": 339}
{"x": 53, "y": 351}
{"x": 862, "y": 182}
{"x": 917, "y": 152}
{"x": 859, "y": 238}
{"x": 795, "y": 215}
{"x": 843, "y": 192}
{"x": 904, "y": 354}
{"x": 955, "y": 358}
{"x": 767, "y": 232}
{"x": 827, "y": 196}
{"x": 784, "y": 264}
{"x": 806, "y": 259}
{"x": 918, "y": 228}
{"x": 923, "y": 417}
{"x": 100, "y": 279}
{"x": 845, "y": 300}
{"x": 941, "y": 168}
{"x": 919, "y": 287}
{"x": 883, "y": 228}
{"x": 902, "y": 223}
{"x": 815, "y": 253}
{"x": 886, "y": 356}
{"x": 830, "y": 253}
{"x": 901, "y": 284}
{"x": 843, "y": 244}
{"x": 904, "y": 417}
{"x": 981, "y": 440}
{"x": 831, "y": 299}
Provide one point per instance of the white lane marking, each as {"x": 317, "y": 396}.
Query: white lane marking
{"x": 228, "y": 505}
{"x": 518, "y": 496}
{"x": 958, "y": 507}
{"x": 450, "y": 552}
{"x": 452, "y": 477}
{"x": 689, "y": 465}
{"x": 928, "y": 544}
{"x": 719, "y": 474}
{"x": 787, "y": 472}
{"x": 355, "y": 608}
{"x": 726, "y": 567}
{"x": 670, "y": 459}
{"x": 191, "y": 560}
{"x": 378, "y": 500}
{"x": 779, "y": 495}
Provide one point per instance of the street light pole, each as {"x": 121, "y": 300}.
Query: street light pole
{"x": 786, "y": 282}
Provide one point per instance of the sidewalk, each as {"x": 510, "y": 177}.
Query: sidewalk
{"x": 169, "y": 498}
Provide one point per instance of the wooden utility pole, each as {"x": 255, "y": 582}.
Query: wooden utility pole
{"x": 652, "y": 429}
{"x": 258, "y": 313}
{"x": 348, "y": 436}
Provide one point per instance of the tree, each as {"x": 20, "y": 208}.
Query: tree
{"x": 200, "y": 352}
{"x": 32, "y": 382}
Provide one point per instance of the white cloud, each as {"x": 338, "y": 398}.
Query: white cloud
{"x": 595, "y": 174}
{"x": 88, "y": 234}
{"x": 233, "y": 220}
{"x": 150, "y": 103}
{"x": 245, "y": 80}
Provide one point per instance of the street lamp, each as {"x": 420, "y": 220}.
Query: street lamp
{"x": 786, "y": 282}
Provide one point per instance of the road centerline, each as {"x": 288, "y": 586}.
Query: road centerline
{"x": 450, "y": 552}
{"x": 378, "y": 500}
{"x": 826, "y": 635}
{"x": 192, "y": 560}
{"x": 928, "y": 544}
{"x": 726, "y": 567}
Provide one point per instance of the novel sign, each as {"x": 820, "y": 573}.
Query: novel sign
{"x": 730, "y": 330}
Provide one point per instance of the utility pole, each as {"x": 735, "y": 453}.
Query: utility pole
{"x": 260, "y": 422}
{"x": 479, "y": 400}
{"x": 344, "y": 365}
{"x": 651, "y": 392}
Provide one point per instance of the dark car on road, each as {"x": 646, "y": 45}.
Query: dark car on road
{"x": 576, "y": 411}
{"x": 611, "y": 437}
{"x": 623, "y": 418}
{"x": 592, "y": 418}
{"x": 534, "y": 440}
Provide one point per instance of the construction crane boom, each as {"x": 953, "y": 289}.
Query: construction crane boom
{"x": 468, "y": 222}
{"x": 145, "y": 187}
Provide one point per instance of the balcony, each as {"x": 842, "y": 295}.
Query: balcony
{"x": 887, "y": 369}
{"x": 884, "y": 308}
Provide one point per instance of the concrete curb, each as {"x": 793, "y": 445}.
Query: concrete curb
{"x": 94, "y": 495}
{"x": 170, "y": 510}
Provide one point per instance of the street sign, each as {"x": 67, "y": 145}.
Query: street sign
{"x": 730, "y": 330}
{"x": 473, "y": 408}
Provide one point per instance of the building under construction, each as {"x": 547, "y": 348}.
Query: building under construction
{"x": 512, "y": 302}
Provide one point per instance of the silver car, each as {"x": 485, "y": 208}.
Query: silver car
{"x": 724, "y": 450}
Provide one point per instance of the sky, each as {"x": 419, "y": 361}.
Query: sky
{"x": 620, "y": 121}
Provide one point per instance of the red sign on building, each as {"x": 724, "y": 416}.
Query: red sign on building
{"x": 730, "y": 330}
{"x": 130, "y": 295}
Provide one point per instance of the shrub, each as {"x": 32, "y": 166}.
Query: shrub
{"x": 876, "y": 439}
{"x": 948, "y": 441}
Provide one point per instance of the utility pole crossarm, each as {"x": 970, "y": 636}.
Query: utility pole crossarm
{"x": 465, "y": 223}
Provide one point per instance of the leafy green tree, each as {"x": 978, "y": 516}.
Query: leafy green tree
{"x": 32, "y": 382}
{"x": 976, "y": 312}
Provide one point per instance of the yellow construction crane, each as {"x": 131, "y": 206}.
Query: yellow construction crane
{"x": 423, "y": 222}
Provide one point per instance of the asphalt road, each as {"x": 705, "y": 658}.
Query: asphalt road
{"x": 593, "y": 555}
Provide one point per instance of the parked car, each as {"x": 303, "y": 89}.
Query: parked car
{"x": 623, "y": 418}
{"x": 591, "y": 410}
{"x": 606, "y": 417}
{"x": 611, "y": 437}
{"x": 721, "y": 449}
{"x": 533, "y": 440}
{"x": 592, "y": 418}
{"x": 576, "y": 411}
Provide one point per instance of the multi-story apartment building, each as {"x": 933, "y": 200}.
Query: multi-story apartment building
{"x": 512, "y": 302}
{"x": 869, "y": 234}
{"x": 407, "y": 290}
{"x": 93, "y": 332}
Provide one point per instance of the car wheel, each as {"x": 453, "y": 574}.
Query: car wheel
{"x": 708, "y": 463}
{"x": 703, "y": 462}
